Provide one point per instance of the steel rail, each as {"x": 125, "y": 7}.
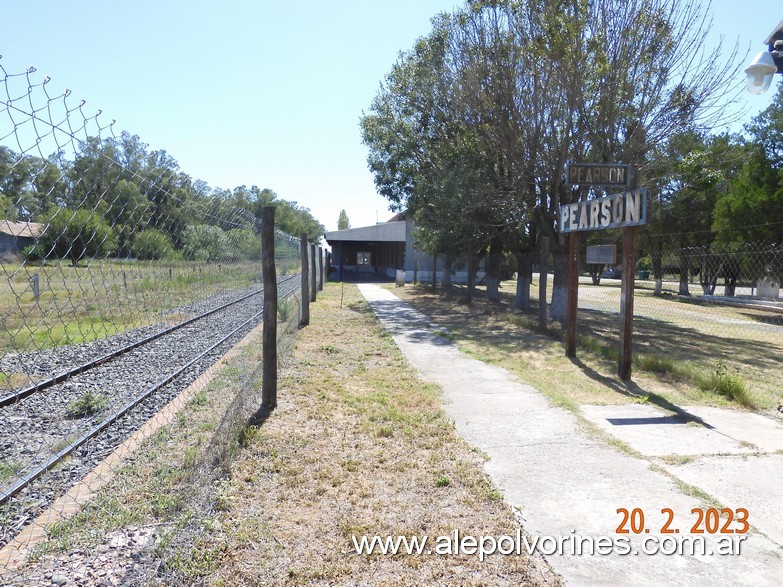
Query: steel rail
{"x": 18, "y": 395}
{"x": 23, "y": 482}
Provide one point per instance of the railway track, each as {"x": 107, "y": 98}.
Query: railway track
{"x": 20, "y": 394}
{"x": 140, "y": 379}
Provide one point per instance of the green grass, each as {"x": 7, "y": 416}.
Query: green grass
{"x": 84, "y": 303}
{"x": 442, "y": 482}
{"x": 11, "y": 380}
{"x": 81, "y": 330}
{"x": 286, "y": 309}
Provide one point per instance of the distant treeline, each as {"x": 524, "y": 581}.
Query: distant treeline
{"x": 118, "y": 198}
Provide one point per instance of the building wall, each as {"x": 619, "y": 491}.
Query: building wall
{"x": 13, "y": 245}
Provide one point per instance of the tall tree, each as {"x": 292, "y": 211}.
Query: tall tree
{"x": 506, "y": 92}
{"x": 752, "y": 208}
{"x": 342, "y": 221}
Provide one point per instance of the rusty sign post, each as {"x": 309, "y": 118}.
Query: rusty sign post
{"x": 625, "y": 210}
{"x": 627, "y": 285}
{"x": 573, "y": 293}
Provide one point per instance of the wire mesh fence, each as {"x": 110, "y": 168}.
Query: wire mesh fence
{"x": 122, "y": 281}
{"x": 713, "y": 308}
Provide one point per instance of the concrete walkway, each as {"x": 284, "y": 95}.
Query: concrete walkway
{"x": 565, "y": 482}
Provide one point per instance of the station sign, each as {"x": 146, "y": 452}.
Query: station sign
{"x": 598, "y": 174}
{"x": 615, "y": 211}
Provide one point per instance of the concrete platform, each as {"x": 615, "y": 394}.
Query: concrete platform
{"x": 566, "y": 483}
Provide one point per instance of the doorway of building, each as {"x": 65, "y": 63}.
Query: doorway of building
{"x": 363, "y": 262}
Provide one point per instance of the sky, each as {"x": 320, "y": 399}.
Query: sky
{"x": 254, "y": 92}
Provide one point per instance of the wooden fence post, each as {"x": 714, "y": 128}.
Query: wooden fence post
{"x": 320, "y": 269}
{"x": 269, "y": 334}
{"x": 304, "y": 319}
{"x": 36, "y": 287}
{"x": 313, "y": 280}
{"x": 543, "y": 260}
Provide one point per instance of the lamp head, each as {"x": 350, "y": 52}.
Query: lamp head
{"x": 766, "y": 64}
{"x": 760, "y": 72}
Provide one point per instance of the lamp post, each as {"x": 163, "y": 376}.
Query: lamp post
{"x": 767, "y": 63}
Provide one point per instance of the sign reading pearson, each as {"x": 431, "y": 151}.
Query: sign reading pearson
{"x": 598, "y": 174}
{"x": 615, "y": 211}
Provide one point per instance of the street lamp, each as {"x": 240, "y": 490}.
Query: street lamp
{"x": 766, "y": 64}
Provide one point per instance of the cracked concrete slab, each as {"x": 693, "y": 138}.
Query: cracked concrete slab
{"x": 564, "y": 482}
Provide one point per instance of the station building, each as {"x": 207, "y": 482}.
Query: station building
{"x": 379, "y": 251}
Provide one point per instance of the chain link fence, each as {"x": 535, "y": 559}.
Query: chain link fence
{"x": 711, "y": 308}
{"x": 122, "y": 281}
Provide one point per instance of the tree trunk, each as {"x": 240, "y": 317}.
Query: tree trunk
{"x": 657, "y": 267}
{"x": 595, "y": 272}
{"x": 493, "y": 270}
{"x": 445, "y": 278}
{"x": 543, "y": 268}
{"x": 731, "y": 286}
{"x": 524, "y": 277}
{"x": 471, "y": 276}
{"x": 557, "y": 309}
{"x": 685, "y": 269}
{"x": 711, "y": 268}
{"x": 730, "y": 276}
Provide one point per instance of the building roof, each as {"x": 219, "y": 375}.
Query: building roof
{"x": 21, "y": 229}
{"x": 389, "y": 232}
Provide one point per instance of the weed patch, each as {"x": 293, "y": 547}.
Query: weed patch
{"x": 727, "y": 384}
{"x": 89, "y": 404}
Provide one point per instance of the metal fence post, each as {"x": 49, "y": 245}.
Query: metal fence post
{"x": 626, "y": 303}
{"x": 627, "y": 291}
{"x": 304, "y": 320}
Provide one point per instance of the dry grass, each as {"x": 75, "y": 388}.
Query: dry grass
{"x": 359, "y": 446}
{"x": 500, "y": 334}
